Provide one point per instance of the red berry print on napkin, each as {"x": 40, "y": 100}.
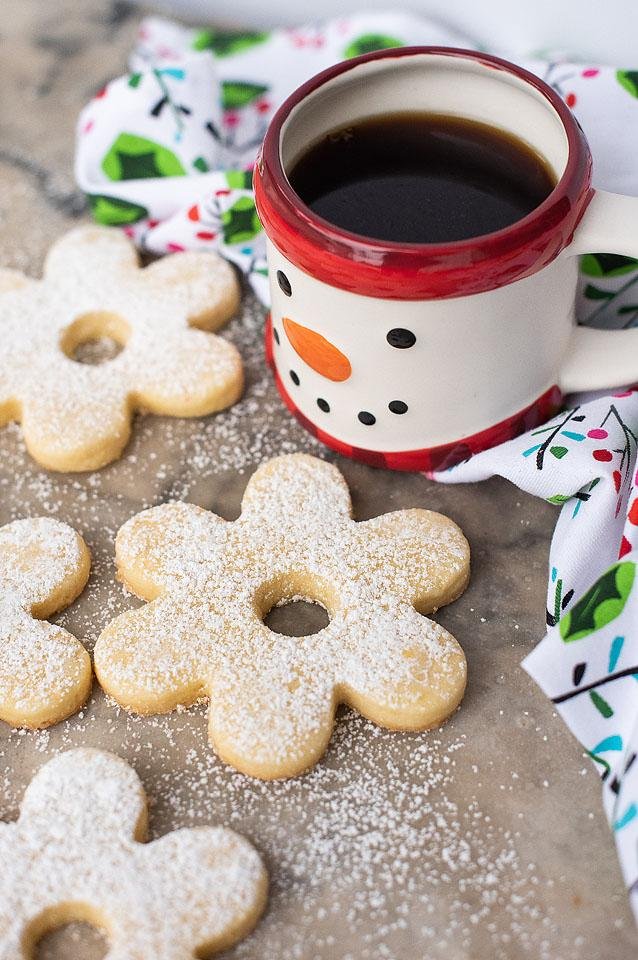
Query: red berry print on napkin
{"x": 625, "y": 548}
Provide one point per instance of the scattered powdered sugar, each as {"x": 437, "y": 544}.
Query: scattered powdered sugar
{"x": 76, "y": 415}
{"x": 168, "y": 458}
{"x": 395, "y": 846}
{"x": 75, "y": 843}
{"x": 44, "y": 670}
{"x": 371, "y": 842}
{"x": 39, "y": 557}
{"x": 272, "y": 696}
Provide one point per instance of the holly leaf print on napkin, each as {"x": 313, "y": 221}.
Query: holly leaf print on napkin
{"x": 239, "y": 93}
{"x": 133, "y": 158}
{"x": 115, "y": 212}
{"x": 607, "y": 264}
{"x": 602, "y": 603}
{"x": 629, "y": 80}
{"x": 224, "y": 44}
{"x": 369, "y": 42}
{"x": 240, "y": 222}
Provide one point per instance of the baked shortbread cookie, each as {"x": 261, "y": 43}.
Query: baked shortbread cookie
{"x": 75, "y": 853}
{"x": 77, "y": 416}
{"x": 273, "y": 697}
{"x": 45, "y": 673}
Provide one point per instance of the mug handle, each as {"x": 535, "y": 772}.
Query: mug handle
{"x": 597, "y": 359}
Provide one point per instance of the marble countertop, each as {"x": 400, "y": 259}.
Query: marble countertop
{"x": 485, "y": 839}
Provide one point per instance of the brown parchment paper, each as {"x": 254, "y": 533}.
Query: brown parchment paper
{"x": 483, "y": 840}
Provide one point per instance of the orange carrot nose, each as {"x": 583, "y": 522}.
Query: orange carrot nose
{"x": 317, "y": 352}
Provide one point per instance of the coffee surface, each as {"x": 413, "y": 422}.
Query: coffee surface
{"x": 421, "y": 178}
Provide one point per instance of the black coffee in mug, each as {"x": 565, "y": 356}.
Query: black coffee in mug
{"x": 421, "y": 178}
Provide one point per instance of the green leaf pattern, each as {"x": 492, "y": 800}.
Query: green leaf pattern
{"x": 602, "y": 603}
{"x": 131, "y": 157}
{"x": 239, "y": 93}
{"x": 115, "y": 212}
{"x": 368, "y": 42}
{"x": 605, "y": 301}
{"x": 240, "y": 222}
{"x": 225, "y": 44}
{"x": 628, "y": 79}
{"x": 607, "y": 264}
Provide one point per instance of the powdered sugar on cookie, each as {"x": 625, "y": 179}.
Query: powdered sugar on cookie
{"x": 272, "y": 697}
{"x": 45, "y": 673}
{"x": 77, "y": 416}
{"x": 75, "y": 853}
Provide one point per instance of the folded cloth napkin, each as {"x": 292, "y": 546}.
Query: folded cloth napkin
{"x": 587, "y": 664}
{"x": 163, "y": 120}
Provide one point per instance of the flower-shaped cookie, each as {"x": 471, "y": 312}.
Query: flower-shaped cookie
{"x": 273, "y": 697}
{"x": 45, "y": 673}
{"x": 77, "y": 416}
{"x": 76, "y": 854}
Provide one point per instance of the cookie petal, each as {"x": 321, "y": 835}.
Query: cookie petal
{"x": 82, "y": 790}
{"x": 44, "y": 564}
{"x": 423, "y": 556}
{"x": 296, "y": 488}
{"x": 73, "y": 855}
{"x": 17, "y": 294}
{"x": 75, "y": 429}
{"x": 200, "y": 922}
{"x": 86, "y": 257}
{"x": 403, "y": 671}
{"x": 205, "y": 286}
{"x": 45, "y": 673}
{"x": 274, "y": 720}
{"x": 154, "y": 659}
{"x": 166, "y": 545}
{"x": 189, "y": 373}
{"x": 76, "y": 415}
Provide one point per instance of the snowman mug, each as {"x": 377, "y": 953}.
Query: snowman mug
{"x": 415, "y": 356}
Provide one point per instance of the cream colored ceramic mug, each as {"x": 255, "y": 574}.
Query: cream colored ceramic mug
{"x": 414, "y": 356}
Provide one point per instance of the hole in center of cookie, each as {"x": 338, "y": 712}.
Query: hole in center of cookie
{"x": 296, "y": 603}
{"x": 95, "y": 338}
{"x": 80, "y": 939}
{"x": 297, "y": 618}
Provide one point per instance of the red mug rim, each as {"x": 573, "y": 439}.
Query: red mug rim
{"x": 415, "y": 271}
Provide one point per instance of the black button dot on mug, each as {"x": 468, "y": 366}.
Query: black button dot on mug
{"x": 367, "y": 418}
{"x": 294, "y": 378}
{"x": 397, "y": 406}
{"x": 401, "y": 338}
{"x": 284, "y": 283}
{"x": 275, "y": 335}
{"x": 323, "y": 405}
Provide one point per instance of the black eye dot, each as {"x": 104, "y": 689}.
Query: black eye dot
{"x": 401, "y": 338}
{"x": 366, "y": 418}
{"x": 294, "y": 378}
{"x": 323, "y": 405}
{"x": 397, "y": 406}
{"x": 284, "y": 283}
{"x": 275, "y": 335}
